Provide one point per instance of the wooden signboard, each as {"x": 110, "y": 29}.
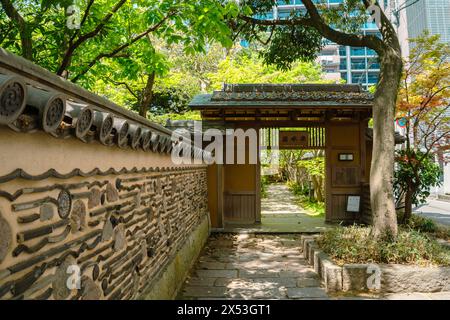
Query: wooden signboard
{"x": 293, "y": 139}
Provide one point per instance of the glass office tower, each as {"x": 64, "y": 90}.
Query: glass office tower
{"x": 433, "y": 15}
{"x": 353, "y": 65}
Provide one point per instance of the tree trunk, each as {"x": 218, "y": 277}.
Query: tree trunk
{"x": 381, "y": 174}
{"x": 317, "y": 188}
{"x": 408, "y": 205}
{"x": 147, "y": 96}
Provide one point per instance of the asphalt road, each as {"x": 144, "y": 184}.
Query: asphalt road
{"x": 437, "y": 210}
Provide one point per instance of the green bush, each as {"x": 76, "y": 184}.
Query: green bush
{"x": 298, "y": 189}
{"x": 355, "y": 244}
{"x": 313, "y": 208}
{"x": 427, "y": 225}
{"x": 265, "y": 181}
{"x": 422, "y": 224}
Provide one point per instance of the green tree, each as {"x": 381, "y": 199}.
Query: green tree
{"x": 415, "y": 174}
{"x": 110, "y": 35}
{"x": 246, "y": 66}
{"x": 423, "y": 101}
{"x": 315, "y": 169}
{"x": 179, "y": 77}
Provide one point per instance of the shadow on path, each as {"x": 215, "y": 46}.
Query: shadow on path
{"x": 248, "y": 266}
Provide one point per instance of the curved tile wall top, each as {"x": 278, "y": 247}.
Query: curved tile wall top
{"x": 32, "y": 99}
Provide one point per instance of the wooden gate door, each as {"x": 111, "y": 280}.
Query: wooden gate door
{"x": 242, "y": 188}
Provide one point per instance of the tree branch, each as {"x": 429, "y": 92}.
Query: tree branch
{"x": 316, "y": 21}
{"x": 118, "y": 83}
{"x": 122, "y": 47}
{"x": 24, "y": 29}
{"x": 73, "y": 46}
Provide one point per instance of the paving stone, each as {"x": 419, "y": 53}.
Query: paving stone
{"x": 217, "y": 273}
{"x": 306, "y": 293}
{"x": 307, "y": 282}
{"x": 257, "y": 273}
{"x": 204, "y": 292}
{"x": 290, "y": 243}
{"x": 257, "y": 264}
{"x": 254, "y": 267}
{"x": 211, "y": 265}
{"x": 202, "y": 282}
{"x": 280, "y": 282}
{"x": 258, "y": 292}
{"x": 232, "y": 282}
{"x": 222, "y": 243}
{"x": 300, "y": 273}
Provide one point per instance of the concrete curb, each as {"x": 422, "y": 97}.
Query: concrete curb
{"x": 381, "y": 278}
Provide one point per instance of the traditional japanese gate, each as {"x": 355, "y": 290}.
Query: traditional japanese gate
{"x": 335, "y": 119}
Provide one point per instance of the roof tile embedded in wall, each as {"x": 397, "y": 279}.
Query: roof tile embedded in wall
{"x": 33, "y": 99}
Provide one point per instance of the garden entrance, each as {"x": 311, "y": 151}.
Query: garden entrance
{"x": 329, "y": 119}
{"x": 292, "y": 179}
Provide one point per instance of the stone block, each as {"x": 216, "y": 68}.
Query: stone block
{"x": 401, "y": 278}
{"x": 317, "y": 257}
{"x": 312, "y": 246}
{"x": 332, "y": 276}
{"x": 303, "y": 238}
{"x": 306, "y": 244}
{"x": 354, "y": 277}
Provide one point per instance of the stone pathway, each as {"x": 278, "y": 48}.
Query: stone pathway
{"x": 280, "y": 213}
{"x": 280, "y": 201}
{"x": 260, "y": 266}
{"x": 249, "y": 266}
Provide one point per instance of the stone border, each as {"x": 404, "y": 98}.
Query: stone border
{"x": 383, "y": 278}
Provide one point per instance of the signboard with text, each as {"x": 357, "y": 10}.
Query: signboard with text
{"x": 293, "y": 139}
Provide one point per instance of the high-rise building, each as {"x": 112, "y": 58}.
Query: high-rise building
{"x": 353, "y": 65}
{"x": 433, "y": 15}
{"x": 413, "y": 17}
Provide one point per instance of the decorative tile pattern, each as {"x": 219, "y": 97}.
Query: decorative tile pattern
{"x": 119, "y": 229}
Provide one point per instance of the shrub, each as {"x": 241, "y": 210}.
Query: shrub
{"x": 427, "y": 225}
{"x": 355, "y": 244}
{"x": 422, "y": 224}
{"x": 264, "y": 184}
{"x": 298, "y": 189}
{"x": 313, "y": 207}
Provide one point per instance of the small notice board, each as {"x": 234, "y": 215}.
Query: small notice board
{"x": 353, "y": 203}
